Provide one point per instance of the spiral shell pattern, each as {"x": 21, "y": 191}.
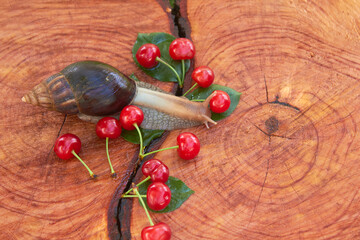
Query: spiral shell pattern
{"x": 55, "y": 94}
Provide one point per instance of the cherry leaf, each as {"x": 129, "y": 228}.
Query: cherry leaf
{"x": 203, "y": 93}
{"x": 160, "y": 71}
{"x": 179, "y": 193}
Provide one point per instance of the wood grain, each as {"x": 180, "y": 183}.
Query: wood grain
{"x": 42, "y": 197}
{"x": 285, "y": 164}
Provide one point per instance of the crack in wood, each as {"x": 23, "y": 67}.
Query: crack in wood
{"x": 271, "y": 135}
{"x": 266, "y": 90}
{"x": 175, "y": 11}
{"x": 276, "y": 101}
{"x": 52, "y": 147}
{"x": 181, "y": 24}
{"x": 262, "y": 188}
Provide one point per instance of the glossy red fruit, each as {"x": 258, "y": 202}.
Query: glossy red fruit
{"x": 156, "y": 169}
{"x": 220, "y": 102}
{"x": 160, "y": 231}
{"x": 158, "y": 196}
{"x": 146, "y": 55}
{"x": 189, "y": 145}
{"x": 160, "y": 174}
{"x": 149, "y": 166}
{"x": 203, "y": 76}
{"x": 65, "y": 144}
{"x": 131, "y": 115}
{"x": 108, "y": 127}
{"x": 181, "y": 49}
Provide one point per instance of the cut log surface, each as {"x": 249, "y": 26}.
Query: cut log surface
{"x": 41, "y": 196}
{"x": 285, "y": 165}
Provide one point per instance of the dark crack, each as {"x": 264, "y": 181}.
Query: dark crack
{"x": 284, "y": 104}
{"x": 180, "y": 27}
{"x": 276, "y": 101}
{"x": 58, "y": 134}
{"x": 62, "y": 125}
{"x": 266, "y": 90}
{"x": 177, "y": 19}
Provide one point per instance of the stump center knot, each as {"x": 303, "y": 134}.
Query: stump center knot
{"x": 272, "y": 125}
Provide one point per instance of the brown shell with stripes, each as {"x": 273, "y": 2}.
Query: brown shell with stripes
{"x": 87, "y": 87}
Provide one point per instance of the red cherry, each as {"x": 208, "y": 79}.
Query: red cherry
{"x": 160, "y": 231}
{"x": 131, "y": 115}
{"x": 181, "y": 49}
{"x": 158, "y": 196}
{"x": 160, "y": 174}
{"x": 156, "y": 169}
{"x": 68, "y": 146}
{"x": 189, "y": 145}
{"x": 203, "y": 76}
{"x": 220, "y": 102}
{"x": 149, "y": 166}
{"x": 108, "y": 127}
{"x": 65, "y": 144}
{"x": 146, "y": 55}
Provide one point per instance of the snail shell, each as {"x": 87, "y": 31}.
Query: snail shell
{"x": 88, "y": 87}
{"x": 93, "y": 90}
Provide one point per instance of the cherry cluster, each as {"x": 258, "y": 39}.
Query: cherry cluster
{"x": 149, "y": 56}
{"x": 158, "y": 194}
{"x": 68, "y": 145}
{"x": 158, "y": 197}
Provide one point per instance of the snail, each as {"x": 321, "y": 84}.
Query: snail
{"x": 94, "y": 89}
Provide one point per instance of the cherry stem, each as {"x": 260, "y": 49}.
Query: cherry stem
{"x": 173, "y": 69}
{"x": 183, "y": 70}
{"x": 141, "y": 151}
{"x": 128, "y": 191}
{"x": 144, "y": 206}
{"x": 197, "y": 100}
{"x": 132, "y": 196}
{"x": 160, "y": 150}
{"x": 113, "y": 174}
{"x": 193, "y": 86}
{"x": 90, "y": 172}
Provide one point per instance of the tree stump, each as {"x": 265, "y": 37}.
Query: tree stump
{"x": 284, "y": 165}
{"x": 43, "y": 197}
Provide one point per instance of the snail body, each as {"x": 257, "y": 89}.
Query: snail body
{"x": 93, "y": 90}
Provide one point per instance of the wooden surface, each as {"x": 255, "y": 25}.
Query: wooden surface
{"x": 283, "y": 166}
{"x": 43, "y": 197}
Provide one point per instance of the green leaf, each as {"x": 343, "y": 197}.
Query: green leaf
{"x": 179, "y": 193}
{"x": 203, "y": 93}
{"x": 147, "y": 134}
{"x": 160, "y": 71}
{"x": 172, "y": 3}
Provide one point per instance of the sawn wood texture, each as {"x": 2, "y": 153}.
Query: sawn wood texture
{"x": 284, "y": 165}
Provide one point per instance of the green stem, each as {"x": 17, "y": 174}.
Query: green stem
{"x": 132, "y": 196}
{"x": 160, "y": 150}
{"x": 173, "y": 69}
{"x": 90, "y": 172}
{"x": 113, "y": 174}
{"x": 197, "y": 100}
{"x": 146, "y": 179}
{"x": 183, "y": 70}
{"x": 193, "y": 86}
{"x": 141, "y": 152}
{"x": 144, "y": 206}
